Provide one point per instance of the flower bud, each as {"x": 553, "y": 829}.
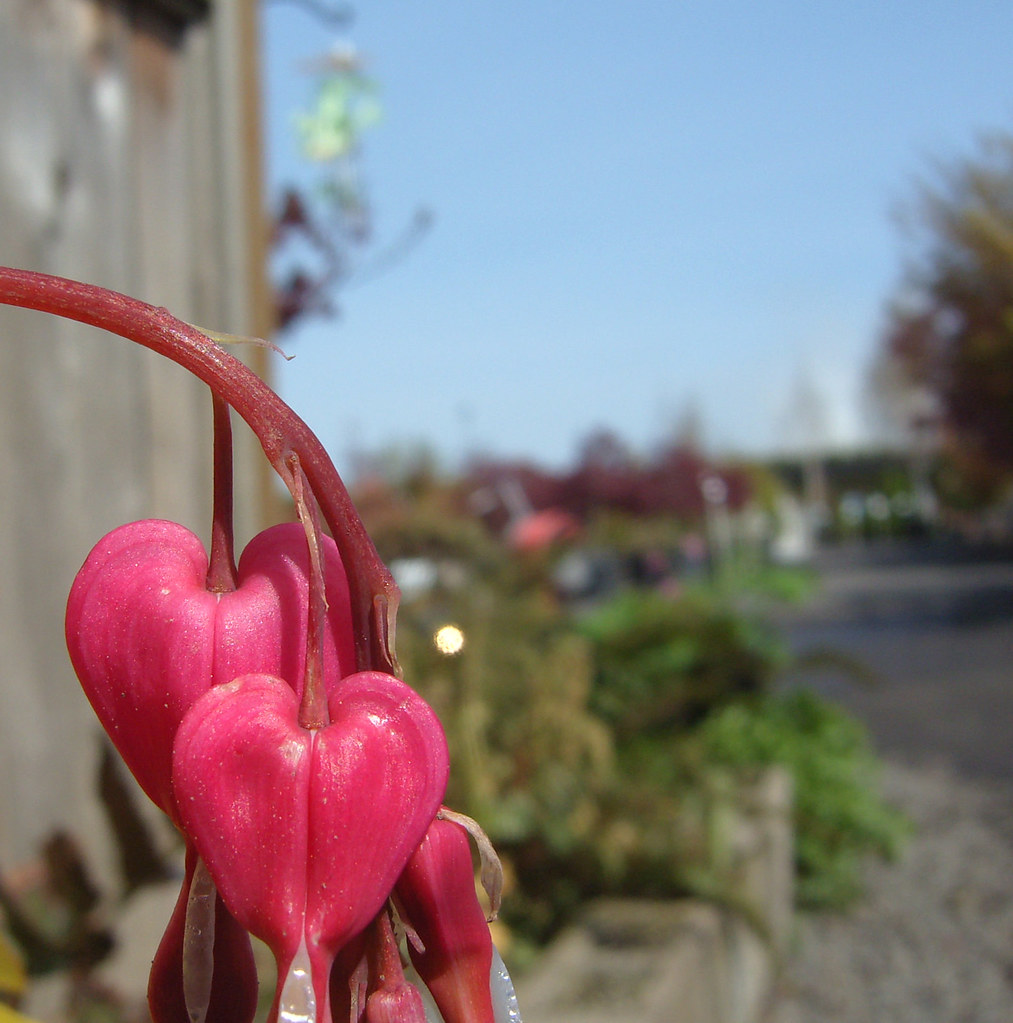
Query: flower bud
{"x": 400, "y": 1004}
{"x": 436, "y": 894}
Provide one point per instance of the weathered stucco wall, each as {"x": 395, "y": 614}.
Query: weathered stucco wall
{"x": 125, "y": 160}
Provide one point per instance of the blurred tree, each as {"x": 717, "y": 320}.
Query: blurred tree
{"x": 321, "y": 238}
{"x": 608, "y": 478}
{"x": 605, "y": 476}
{"x": 950, "y": 334}
{"x": 582, "y": 741}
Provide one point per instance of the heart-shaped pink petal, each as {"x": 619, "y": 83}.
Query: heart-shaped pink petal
{"x": 147, "y": 639}
{"x": 379, "y": 773}
{"x": 261, "y": 626}
{"x": 305, "y": 832}
{"x": 140, "y": 631}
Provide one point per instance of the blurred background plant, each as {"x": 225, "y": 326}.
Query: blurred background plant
{"x": 61, "y": 924}
{"x": 839, "y": 816}
{"x": 604, "y": 742}
{"x": 322, "y": 236}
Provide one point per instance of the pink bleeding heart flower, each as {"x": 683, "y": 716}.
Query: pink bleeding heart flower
{"x": 147, "y": 638}
{"x": 304, "y": 831}
{"x": 437, "y": 898}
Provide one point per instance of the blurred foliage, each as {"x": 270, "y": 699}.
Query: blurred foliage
{"x": 663, "y": 665}
{"x": 9, "y": 1015}
{"x": 626, "y": 535}
{"x": 839, "y": 816}
{"x": 598, "y": 750}
{"x": 317, "y": 233}
{"x": 54, "y": 917}
{"x": 688, "y": 689}
{"x": 950, "y": 333}
{"x": 965, "y": 480}
{"x": 529, "y": 760}
{"x": 321, "y": 236}
{"x": 13, "y": 976}
{"x": 58, "y": 920}
{"x": 609, "y": 479}
{"x": 346, "y": 104}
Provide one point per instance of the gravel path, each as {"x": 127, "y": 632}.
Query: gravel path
{"x": 932, "y": 941}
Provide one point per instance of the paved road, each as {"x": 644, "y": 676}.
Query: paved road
{"x": 932, "y": 939}
{"x": 934, "y": 629}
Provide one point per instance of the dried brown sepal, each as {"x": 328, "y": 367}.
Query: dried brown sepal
{"x": 491, "y": 874}
{"x": 220, "y": 338}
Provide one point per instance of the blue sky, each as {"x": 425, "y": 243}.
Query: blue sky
{"x": 639, "y": 207}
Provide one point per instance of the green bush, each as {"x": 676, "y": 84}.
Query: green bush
{"x": 687, "y": 688}
{"x": 663, "y": 664}
{"x": 607, "y": 755}
{"x": 839, "y": 815}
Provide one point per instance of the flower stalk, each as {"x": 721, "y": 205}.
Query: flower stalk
{"x": 281, "y": 432}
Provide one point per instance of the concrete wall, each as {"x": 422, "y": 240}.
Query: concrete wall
{"x": 127, "y": 158}
{"x": 688, "y": 961}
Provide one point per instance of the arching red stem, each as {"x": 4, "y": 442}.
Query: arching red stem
{"x": 280, "y": 431}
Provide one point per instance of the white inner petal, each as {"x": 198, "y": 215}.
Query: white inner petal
{"x": 199, "y": 944}
{"x": 504, "y": 999}
{"x": 298, "y": 1002}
